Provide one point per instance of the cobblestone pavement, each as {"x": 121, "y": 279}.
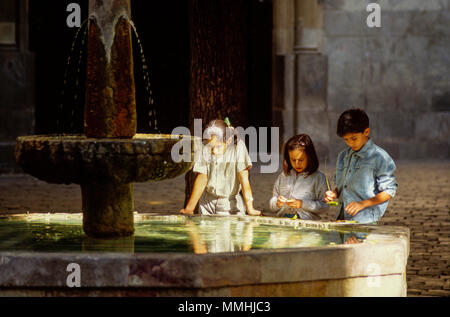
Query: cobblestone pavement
{"x": 422, "y": 204}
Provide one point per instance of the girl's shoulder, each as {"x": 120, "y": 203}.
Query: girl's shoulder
{"x": 318, "y": 175}
{"x": 240, "y": 145}
{"x": 282, "y": 175}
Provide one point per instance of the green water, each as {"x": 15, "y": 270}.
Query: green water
{"x": 201, "y": 234}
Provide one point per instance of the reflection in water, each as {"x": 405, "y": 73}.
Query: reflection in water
{"x": 177, "y": 233}
{"x": 210, "y": 236}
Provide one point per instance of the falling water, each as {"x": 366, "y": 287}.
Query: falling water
{"x": 153, "y": 122}
{"x": 60, "y": 110}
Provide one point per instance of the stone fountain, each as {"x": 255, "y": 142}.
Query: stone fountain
{"x": 110, "y": 156}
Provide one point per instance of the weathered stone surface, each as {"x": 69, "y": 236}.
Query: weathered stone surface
{"x": 105, "y": 169}
{"x": 250, "y": 273}
{"x": 16, "y": 102}
{"x": 353, "y": 287}
{"x": 110, "y": 93}
{"x": 382, "y": 71}
{"x": 77, "y": 159}
{"x": 312, "y": 82}
{"x": 426, "y": 216}
{"x": 107, "y": 209}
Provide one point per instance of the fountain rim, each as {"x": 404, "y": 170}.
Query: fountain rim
{"x": 138, "y": 137}
{"x": 212, "y": 270}
{"x": 344, "y": 226}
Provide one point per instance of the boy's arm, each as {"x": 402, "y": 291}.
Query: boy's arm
{"x": 386, "y": 184}
{"x": 356, "y": 206}
{"x": 385, "y": 178}
{"x": 199, "y": 186}
{"x": 247, "y": 192}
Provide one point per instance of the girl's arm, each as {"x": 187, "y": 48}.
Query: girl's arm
{"x": 247, "y": 192}
{"x": 318, "y": 204}
{"x": 199, "y": 186}
{"x": 273, "y": 202}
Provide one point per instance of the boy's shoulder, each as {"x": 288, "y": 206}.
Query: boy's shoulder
{"x": 374, "y": 153}
{"x": 379, "y": 154}
{"x": 343, "y": 153}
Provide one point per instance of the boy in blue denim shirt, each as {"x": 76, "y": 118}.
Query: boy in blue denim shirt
{"x": 364, "y": 177}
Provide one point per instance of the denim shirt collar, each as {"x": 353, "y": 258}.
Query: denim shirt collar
{"x": 363, "y": 151}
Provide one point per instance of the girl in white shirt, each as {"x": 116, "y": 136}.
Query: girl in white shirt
{"x": 223, "y": 170}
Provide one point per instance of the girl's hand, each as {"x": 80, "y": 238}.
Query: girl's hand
{"x": 330, "y": 195}
{"x": 253, "y": 212}
{"x": 281, "y": 201}
{"x": 294, "y": 203}
{"x": 354, "y": 207}
{"x": 186, "y": 211}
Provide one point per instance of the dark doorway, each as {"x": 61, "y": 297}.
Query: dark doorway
{"x": 163, "y": 30}
{"x": 57, "y": 109}
{"x": 260, "y": 62}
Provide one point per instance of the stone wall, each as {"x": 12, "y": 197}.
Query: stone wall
{"x": 397, "y": 73}
{"x": 16, "y": 82}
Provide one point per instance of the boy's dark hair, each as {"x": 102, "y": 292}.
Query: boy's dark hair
{"x": 352, "y": 121}
{"x": 304, "y": 143}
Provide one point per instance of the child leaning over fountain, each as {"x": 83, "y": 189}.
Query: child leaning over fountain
{"x": 364, "y": 172}
{"x": 300, "y": 188}
{"x": 223, "y": 168}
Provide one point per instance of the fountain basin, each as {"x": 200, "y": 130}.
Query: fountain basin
{"x": 374, "y": 267}
{"x": 105, "y": 168}
{"x": 78, "y": 159}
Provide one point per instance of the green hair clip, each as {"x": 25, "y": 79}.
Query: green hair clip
{"x": 227, "y": 122}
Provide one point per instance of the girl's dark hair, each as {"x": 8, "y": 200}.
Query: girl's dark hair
{"x": 226, "y": 131}
{"x": 304, "y": 143}
{"x": 352, "y": 121}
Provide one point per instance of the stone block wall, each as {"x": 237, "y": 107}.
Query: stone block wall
{"x": 16, "y": 83}
{"x": 397, "y": 73}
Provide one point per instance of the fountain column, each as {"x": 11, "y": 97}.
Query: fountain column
{"x": 110, "y": 112}
{"x": 110, "y": 92}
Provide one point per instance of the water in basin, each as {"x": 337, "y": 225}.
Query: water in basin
{"x": 175, "y": 233}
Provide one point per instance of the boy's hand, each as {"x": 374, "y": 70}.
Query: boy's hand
{"x": 354, "y": 207}
{"x": 330, "y": 195}
{"x": 253, "y": 212}
{"x": 294, "y": 203}
{"x": 186, "y": 211}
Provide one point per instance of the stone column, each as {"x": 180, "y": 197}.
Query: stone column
{"x": 110, "y": 112}
{"x": 107, "y": 209}
{"x": 311, "y": 75}
{"x": 283, "y": 68}
{"x": 308, "y": 25}
{"x": 110, "y": 92}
